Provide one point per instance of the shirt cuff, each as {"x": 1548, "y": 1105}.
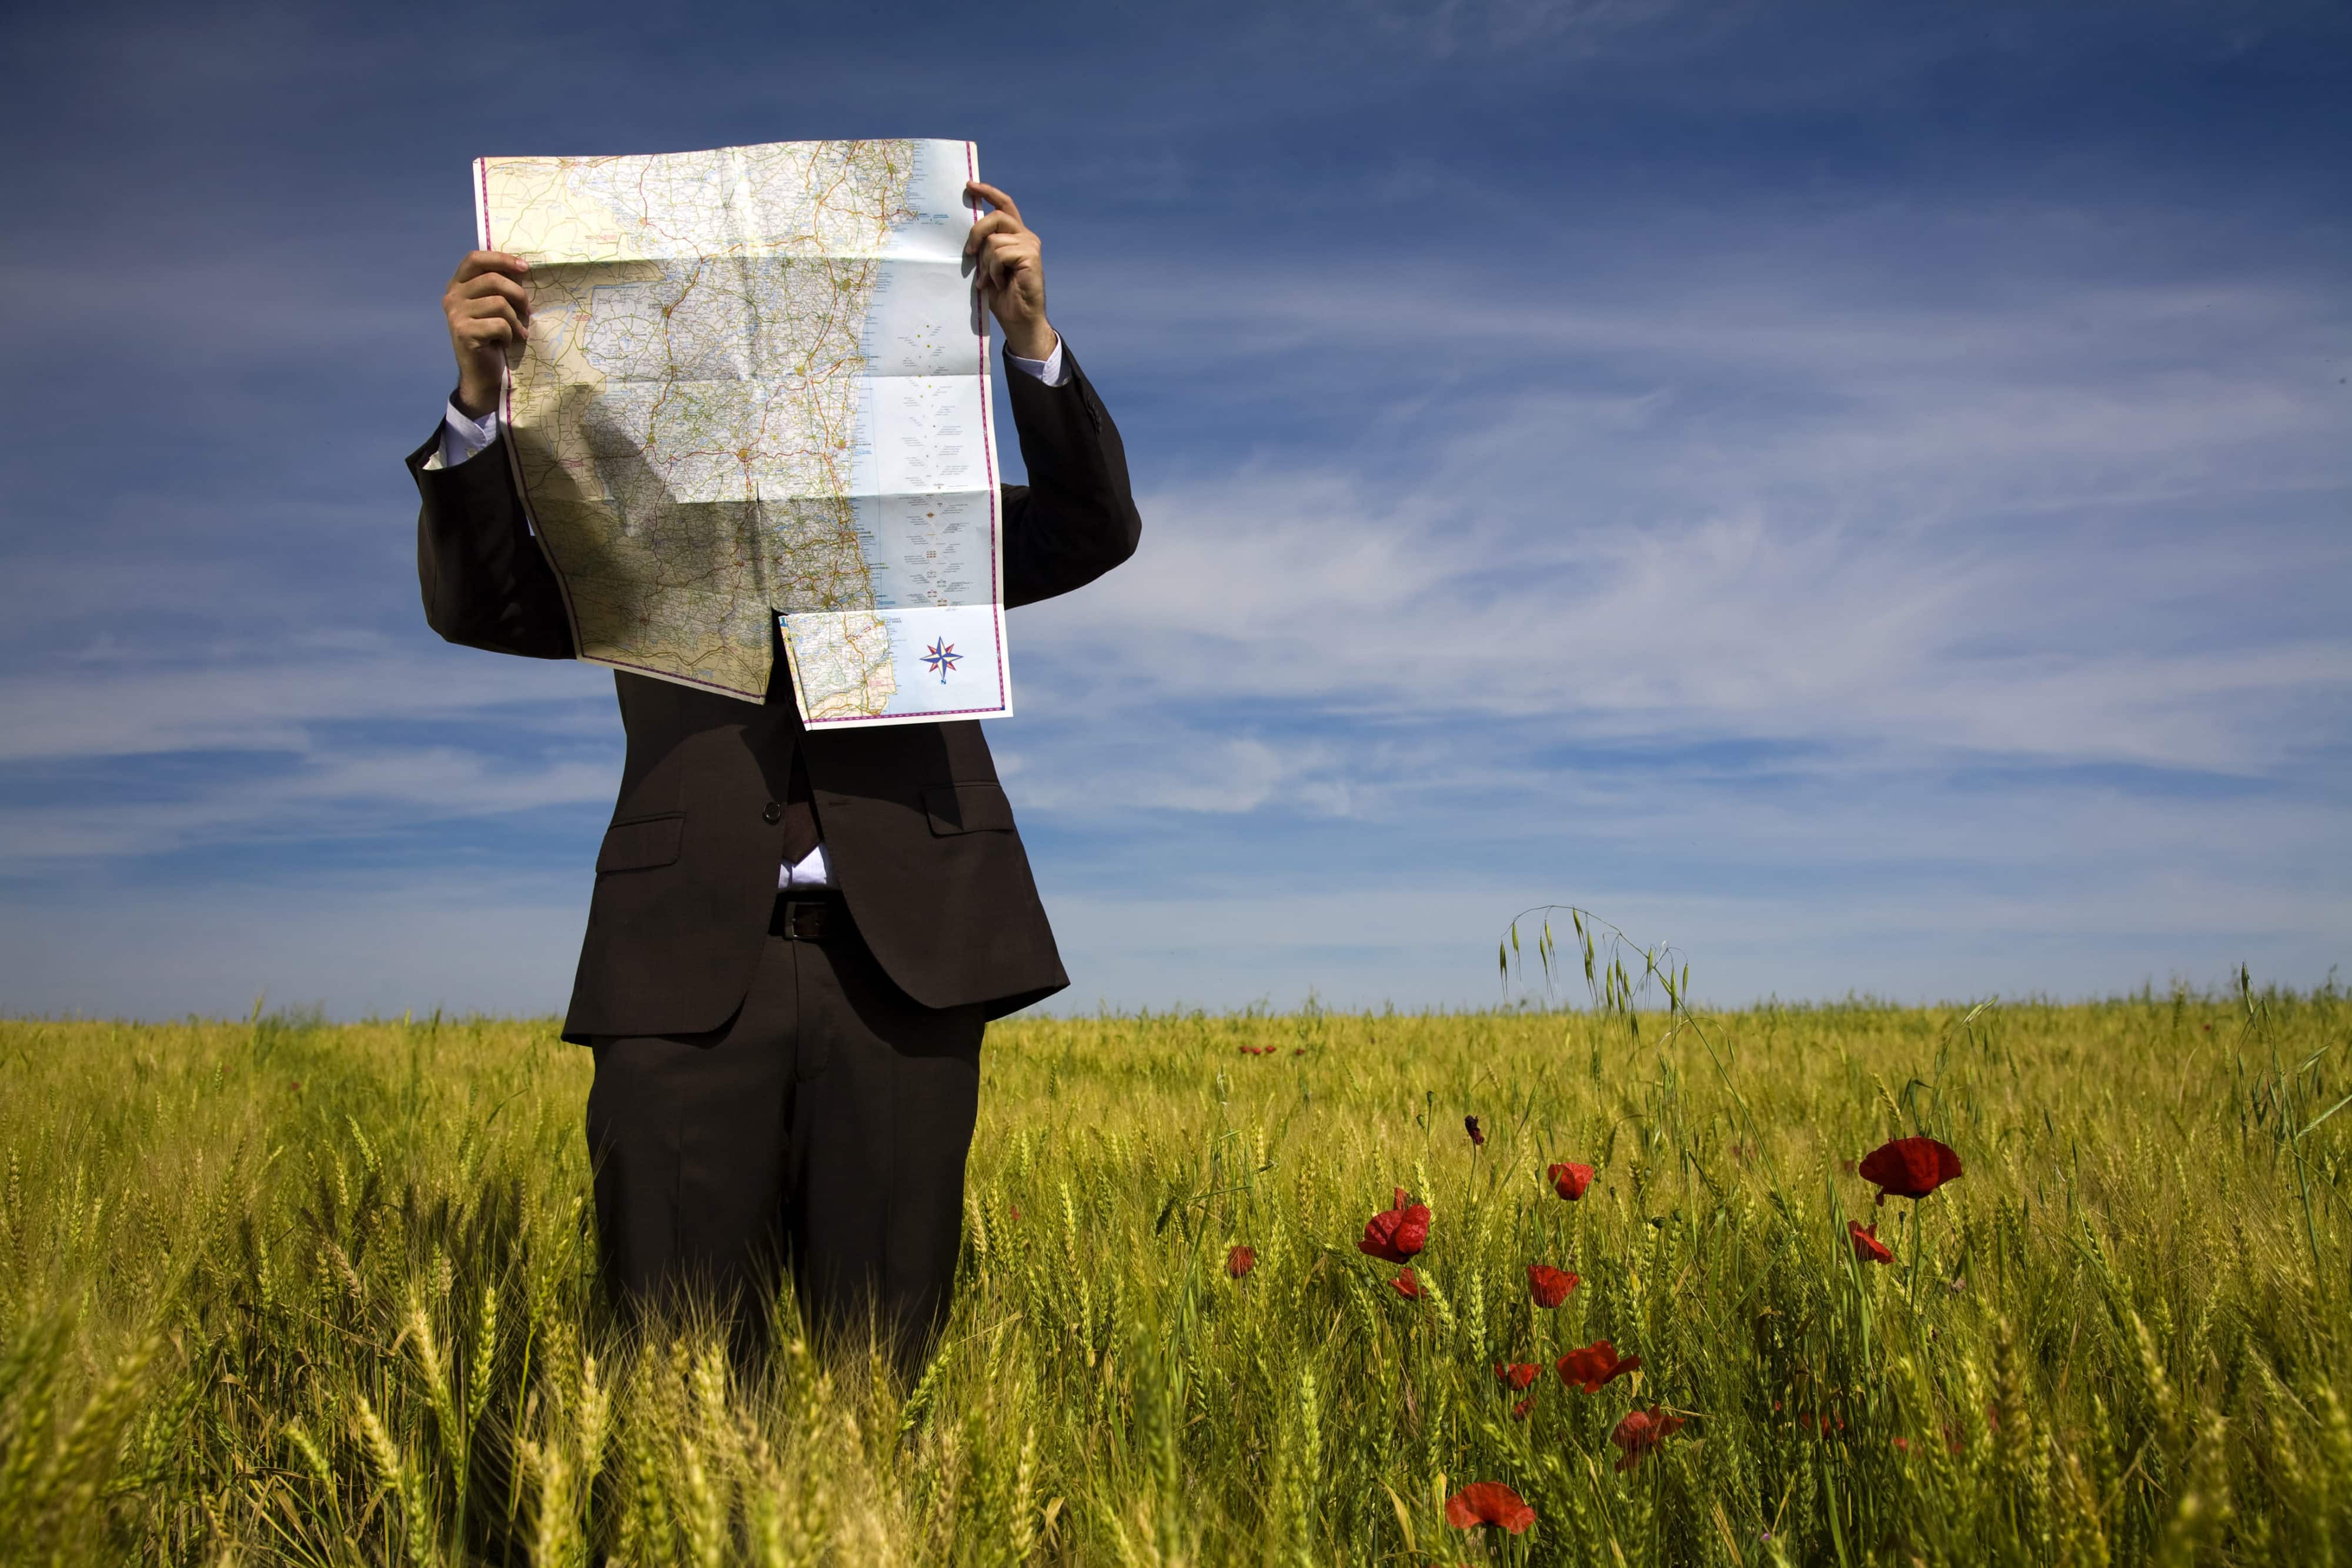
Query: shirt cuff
{"x": 1049, "y": 370}
{"x": 462, "y": 437}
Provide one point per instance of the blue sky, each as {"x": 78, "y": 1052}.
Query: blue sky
{"x": 1858, "y": 493}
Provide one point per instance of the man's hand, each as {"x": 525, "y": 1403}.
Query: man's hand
{"x": 1012, "y": 275}
{"x": 489, "y": 313}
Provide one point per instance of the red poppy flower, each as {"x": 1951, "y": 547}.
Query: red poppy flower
{"x": 1549, "y": 1285}
{"x": 1519, "y": 1411}
{"x": 1240, "y": 1260}
{"x": 1407, "y": 1284}
{"x": 1517, "y": 1374}
{"x": 1867, "y": 1247}
{"x": 1640, "y": 1431}
{"x": 1398, "y": 1233}
{"x": 1470, "y": 1126}
{"x": 1015, "y": 1210}
{"x": 1902, "y": 1445}
{"x": 1909, "y": 1168}
{"x": 1569, "y": 1179}
{"x": 1489, "y": 1502}
{"x": 1595, "y": 1366}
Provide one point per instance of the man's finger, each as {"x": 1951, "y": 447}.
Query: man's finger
{"x": 487, "y": 305}
{"x": 993, "y": 224}
{"x": 1005, "y": 254}
{"x": 493, "y": 283}
{"x": 478, "y": 311}
{"x": 993, "y": 197}
{"x": 999, "y": 267}
{"x": 479, "y": 262}
{"x": 479, "y": 335}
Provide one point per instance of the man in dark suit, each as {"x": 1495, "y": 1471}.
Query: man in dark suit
{"x": 796, "y": 937}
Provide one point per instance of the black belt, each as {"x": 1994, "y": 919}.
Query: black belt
{"x": 809, "y": 915}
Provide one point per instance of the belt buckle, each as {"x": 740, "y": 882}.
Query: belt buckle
{"x": 805, "y": 920}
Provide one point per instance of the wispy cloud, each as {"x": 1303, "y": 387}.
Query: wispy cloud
{"x": 308, "y": 797}
{"x": 1930, "y": 527}
{"x": 264, "y": 703}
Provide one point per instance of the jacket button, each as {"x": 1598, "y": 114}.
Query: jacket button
{"x": 772, "y": 813}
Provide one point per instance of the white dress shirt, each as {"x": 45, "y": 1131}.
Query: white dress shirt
{"x": 462, "y": 437}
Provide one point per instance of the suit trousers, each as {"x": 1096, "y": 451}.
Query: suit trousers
{"x": 821, "y": 1130}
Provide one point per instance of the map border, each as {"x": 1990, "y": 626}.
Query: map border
{"x": 1002, "y": 709}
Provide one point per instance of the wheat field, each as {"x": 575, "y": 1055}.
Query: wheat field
{"x": 276, "y": 1290}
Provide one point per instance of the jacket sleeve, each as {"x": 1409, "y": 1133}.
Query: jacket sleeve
{"x": 485, "y": 580}
{"x": 1076, "y": 518}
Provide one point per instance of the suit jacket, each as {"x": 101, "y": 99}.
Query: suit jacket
{"x": 916, "y": 828}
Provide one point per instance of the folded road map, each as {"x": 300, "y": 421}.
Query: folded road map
{"x": 756, "y": 393}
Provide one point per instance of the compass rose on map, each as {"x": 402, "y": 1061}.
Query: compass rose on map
{"x": 941, "y": 657}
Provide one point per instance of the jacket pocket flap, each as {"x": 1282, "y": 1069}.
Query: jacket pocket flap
{"x": 966, "y": 807}
{"x": 644, "y": 843}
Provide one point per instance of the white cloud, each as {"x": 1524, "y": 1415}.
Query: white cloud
{"x": 292, "y": 745}
{"x": 322, "y": 796}
{"x": 1813, "y": 522}
{"x": 99, "y": 707}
